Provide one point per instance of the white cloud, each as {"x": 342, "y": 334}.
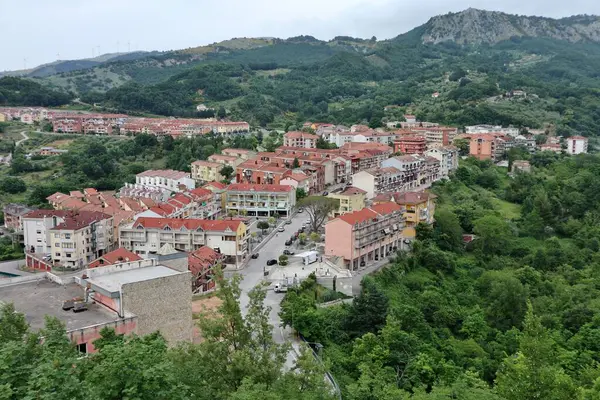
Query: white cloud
{"x": 39, "y": 30}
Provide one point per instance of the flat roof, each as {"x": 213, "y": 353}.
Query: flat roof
{"x": 36, "y": 299}
{"x": 112, "y": 282}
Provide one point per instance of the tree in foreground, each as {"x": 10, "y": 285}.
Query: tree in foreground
{"x": 318, "y": 208}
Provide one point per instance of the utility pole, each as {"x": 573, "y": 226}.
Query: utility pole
{"x": 24, "y": 63}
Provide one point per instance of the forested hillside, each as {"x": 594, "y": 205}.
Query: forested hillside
{"x": 513, "y": 315}
{"x": 459, "y": 80}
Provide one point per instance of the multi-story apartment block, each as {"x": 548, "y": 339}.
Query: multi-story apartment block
{"x": 351, "y": 199}
{"x": 411, "y": 166}
{"x": 419, "y": 207}
{"x": 577, "y": 145}
{"x": 167, "y": 179}
{"x": 364, "y": 236}
{"x": 260, "y": 200}
{"x": 477, "y": 129}
{"x": 239, "y": 153}
{"x": 410, "y": 144}
{"x": 300, "y": 139}
{"x": 72, "y": 239}
{"x": 486, "y": 146}
{"x": 146, "y": 236}
{"x": 206, "y": 171}
{"x": 298, "y": 181}
{"x": 448, "y": 158}
{"x": 261, "y": 172}
{"x": 13, "y": 216}
{"x": 222, "y": 159}
{"x": 377, "y": 180}
{"x": 554, "y": 147}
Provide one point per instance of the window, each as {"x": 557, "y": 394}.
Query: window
{"x": 67, "y": 236}
{"x": 56, "y": 244}
{"x": 82, "y": 347}
{"x": 69, "y": 255}
{"x": 57, "y": 235}
{"x": 38, "y": 232}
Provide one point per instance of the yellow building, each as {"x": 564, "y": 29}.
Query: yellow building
{"x": 2, "y": 117}
{"x": 206, "y": 171}
{"x": 419, "y": 207}
{"x": 352, "y": 199}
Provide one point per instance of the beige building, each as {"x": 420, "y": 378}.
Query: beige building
{"x": 240, "y": 153}
{"x": 223, "y": 159}
{"x": 206, "y": 171}
{"x": 260, "y": 200}
{"x": 352, "y": 199}
{"x": 79, "y": 240}
{"x": 146, "y": 236}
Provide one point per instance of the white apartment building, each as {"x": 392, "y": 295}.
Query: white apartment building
{"x": 577, "y": 145}
{"x": 378, "y": 180}
{"x": 510, "y": 131}
{"x": 71, "y": 238}
{"x": 146, "y": 236}
{"x": 448, "y": 158}
{"x": 166, "y": 179}
{"x": 260, "y": 200}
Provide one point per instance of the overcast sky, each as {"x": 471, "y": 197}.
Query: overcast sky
{"x": 43, "y": 30}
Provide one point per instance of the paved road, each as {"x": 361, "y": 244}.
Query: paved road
{"x": 253, "y": 275}
{"x": 12, "y": 268}
{"x": 25, "y": 138}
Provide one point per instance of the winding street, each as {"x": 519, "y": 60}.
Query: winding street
{"x": 25, "y": 138}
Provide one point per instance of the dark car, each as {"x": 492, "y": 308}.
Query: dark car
{"x": 255, "y": 256}
{"x": 362, "y": 263}
{"x": 272, "y": 262}
{"x": 79, "y": 306}
{"x": 288, "y": 242}
{"x": 288, "y": 252}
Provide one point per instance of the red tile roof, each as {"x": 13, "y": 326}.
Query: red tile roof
{"x": 189, "y": 224}
{"x": 53, "y": 198}
{"x": 247, "y": 187}
{"x": 201, "y": 259}
{"x": 386, "y": 208}
{"x": 117, "y": 256}
{"x": 412, "y": 197}
{"x": 216, "y": 185}
{"x": 358, "y": 216}
{"x": 351, "y": 190}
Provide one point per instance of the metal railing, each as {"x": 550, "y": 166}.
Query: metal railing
{"x": 328, "y": 375}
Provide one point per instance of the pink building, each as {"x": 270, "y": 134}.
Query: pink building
{"x": 365, "y": 236}
{"x": 300, "y": 139}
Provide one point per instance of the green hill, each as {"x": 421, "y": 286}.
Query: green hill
{"x": 282, "y": 83}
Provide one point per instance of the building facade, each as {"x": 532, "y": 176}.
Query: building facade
{"x": 146, "y": 236}
{"x": 168, "y": 179}
{"x": 365, "y": 236}
{"x": 260, "y": 200}
{"x": 300, "y": 139}
{"x": 448, "y": 158}
{"x": 206, "y": 171}
{"x": 577, "y": 145}
{"x": 418, "y": 207}
{"x": 351, "y": 199}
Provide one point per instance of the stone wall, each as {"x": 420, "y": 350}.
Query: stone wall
{"x": 162, "y": 304}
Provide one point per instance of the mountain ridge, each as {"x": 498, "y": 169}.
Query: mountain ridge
{"x": 475, "y": 26}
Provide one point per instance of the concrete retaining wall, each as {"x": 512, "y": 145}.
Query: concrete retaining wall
{"x": 342, "y": 285}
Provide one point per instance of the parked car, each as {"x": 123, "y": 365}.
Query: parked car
{"x": 288, "y": 242}
{"x": 272, "y": 262}
{"x": 362, "y": 263}
{"x": 289, "y": 221}
{"x": 255, "y": 256}
{"x": 288, "y": 252}
{"x": 79, "y": 306}
{"x": 325, "y": 193}
{"x": 281, "y": 229}
{"x": 68, "y": 304}
{"x": 300, "y": 210}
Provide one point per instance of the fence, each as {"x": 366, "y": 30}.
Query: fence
{"x": 328, "y": 375}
